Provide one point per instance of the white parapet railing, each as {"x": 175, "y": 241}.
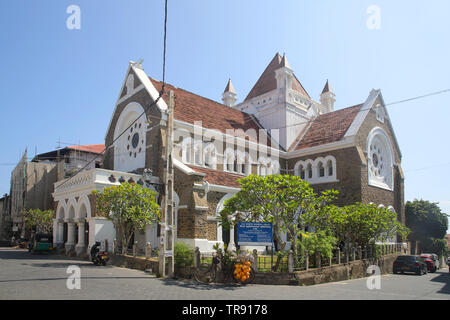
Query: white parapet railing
{"x": 94, "y": 179}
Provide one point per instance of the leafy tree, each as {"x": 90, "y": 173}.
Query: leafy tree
{"x": 130, "y": 207}
{"x": 433, "y": 245}
{"x": 183, "y": 255}
{"x": 319, "y": 242}
{"x": 39, "y": 220}
{"x": 365, "y": 224}
{"x": 286, "y": 201}
{"x": 426, "y": 222}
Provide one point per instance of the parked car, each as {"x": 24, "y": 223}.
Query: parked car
{"x": 410, "y": 264}
{"x": 434, "y": 258}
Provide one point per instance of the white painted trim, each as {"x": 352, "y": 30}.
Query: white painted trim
{"x": 185, "y": 169}
{"x": 362, "y": 114}
{"x": 129, "y": 95}
{"x": 150, "y": 88}
{"x": 386, "y": 141}
{"x": 345, "y": 143}
{"x": 118, "y": 98}
{"x": 191, "y": 127}
{"x": 217, "y": 188}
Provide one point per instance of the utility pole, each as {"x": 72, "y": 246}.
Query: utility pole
{"x": 168, "y": 225}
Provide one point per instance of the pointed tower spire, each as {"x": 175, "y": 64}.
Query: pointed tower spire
{"x": 284, "y": 62}
{"x": 327, "y": 88}
{"x": 229, "y": 95}
{"x": 328, "y": 98}
{"x": 229, "y": 87}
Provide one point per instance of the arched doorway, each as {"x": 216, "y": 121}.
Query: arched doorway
{"x": 228, "y": 237}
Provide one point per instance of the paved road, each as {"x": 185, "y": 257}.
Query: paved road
{"x": 27, "y": 276}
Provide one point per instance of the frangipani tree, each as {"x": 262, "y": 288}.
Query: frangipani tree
{"x": 130, "y": 207}
{"x": 286, "y": 201}
{"x": 366, "y": 224}
{"x": 39, "y": 220}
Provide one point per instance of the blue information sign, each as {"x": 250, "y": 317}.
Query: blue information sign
{"x": 255, "y": 234}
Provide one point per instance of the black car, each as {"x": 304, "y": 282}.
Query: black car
{"x": 410, "y": 264}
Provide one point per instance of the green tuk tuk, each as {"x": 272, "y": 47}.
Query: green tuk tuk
{"x": 41, "y": 242}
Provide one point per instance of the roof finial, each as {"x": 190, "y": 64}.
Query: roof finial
{"x": 229, "y": 87}
{"x": 327, "y": 87}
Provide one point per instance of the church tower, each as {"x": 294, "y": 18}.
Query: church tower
{"x": 229, "y": 95}
{"x": 328, "y": 98}
{"x": 280, "y": 102}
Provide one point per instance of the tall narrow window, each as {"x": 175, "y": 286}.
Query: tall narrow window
{"x": 302, "y": 172}
{"x": 309, "y": 171}
{"x": 188, "y": 151}
{"x": 321, "y": 170}
{"x": 330, "y": 168}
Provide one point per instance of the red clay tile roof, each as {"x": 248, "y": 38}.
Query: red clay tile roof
{"x": 94, "y": 148}
{"x": 190, "y": 107}
{"x": 329, "y": 127}
{"x": 220, "y": 178}
{"x": 268, "y": 82}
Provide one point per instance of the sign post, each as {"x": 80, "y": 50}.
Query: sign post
{"x": 255, "y": 234}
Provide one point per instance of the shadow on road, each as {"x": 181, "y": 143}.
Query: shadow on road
{"x": 83, "y": 278}
{"x": 191, "y": 284}
{"x": 81, "y": 264}
{"x": 444, "y": 277}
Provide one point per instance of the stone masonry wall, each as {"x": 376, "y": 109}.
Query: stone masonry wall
{"x": 348, "y": 163}
{"x": 375, "y": 194}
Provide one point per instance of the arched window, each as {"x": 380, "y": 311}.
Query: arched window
{"x": 268, "y": 166}
{"x": 320, "y": 170}
{"x": 210, "y": 156}
{"x": 187, "y": 151}
{"x": 198, "y": 153}
{"x": 302, "y": 172}
{"x": 130, "y": 139}
{"x": 330, "y": 168}
{"x": 229, "y": 160}
{"x": 309, "y": 171}
{"x": 241, "y": 162}
{"x": 380, "y": 159}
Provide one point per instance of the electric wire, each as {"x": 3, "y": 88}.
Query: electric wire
{"x": 145, "y": 110}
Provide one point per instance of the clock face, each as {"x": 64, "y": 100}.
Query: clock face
{"x": 135, "y": 144}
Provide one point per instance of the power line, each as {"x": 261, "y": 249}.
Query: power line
{"x": 146, "y": 109}
{"x": 251, "y": 120}
{"x": 419, "y": 97}
{"x": 429, "y": 167}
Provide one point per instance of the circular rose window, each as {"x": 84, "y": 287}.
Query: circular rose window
{"x": 380, "y": 160}
{"x": 377, "y": 160}
{"x": 135, "y": 142}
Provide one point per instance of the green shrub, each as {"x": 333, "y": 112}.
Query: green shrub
{"x": 184, "y": 255}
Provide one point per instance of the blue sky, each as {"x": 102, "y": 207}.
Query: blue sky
{"x": 62, "y": 84}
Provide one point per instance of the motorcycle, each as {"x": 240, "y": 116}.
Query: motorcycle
{"x": 98, "y": 257}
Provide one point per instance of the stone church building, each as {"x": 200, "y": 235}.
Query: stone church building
{"x": 277, "y": 129}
